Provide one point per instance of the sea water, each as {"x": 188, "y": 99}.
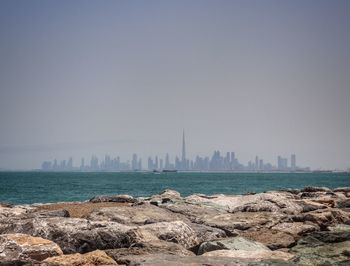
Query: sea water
{"x": 44, "y": 187}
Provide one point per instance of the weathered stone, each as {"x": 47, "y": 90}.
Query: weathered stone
{"x": 94, "y": 258}
{"x": 73, "y": 234}
{"x": 116, "y": 198}
{"x": 206, "y": 233}
{"x": 251, "y": 254}
{"x": 273, "y": 239}
{"x": 21, "y": 248}
{"x": 270, "y": 201}
{"x": 135, "y": 215}
{"x": 232, "y": 243}
{"x": 323, "y": 218}
{"x": 155, "y": 247}
{"x": 312, "y": 251}
{"x": 167, "y": 196}
{"x": 342, "y": 189}
{"x": 343, "y": 203}
{"x": 233, "y": 223}
{"x": 296, "y": 229}
{"x": 315, "y": 189}
{"x": 176, "y": 260}
{"x": 177, "y": 232}
{"x": 48, "y": 214}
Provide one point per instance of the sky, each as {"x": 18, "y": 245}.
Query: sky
{"x": 262, "y": 78}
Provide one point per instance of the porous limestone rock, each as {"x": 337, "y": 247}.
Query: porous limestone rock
{"x": 94, "y": 258}
{"x": 21, "y": 248}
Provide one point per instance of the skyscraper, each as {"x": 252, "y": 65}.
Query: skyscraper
{"x": 293, "y": 162}
{"x": 183, "y": 156}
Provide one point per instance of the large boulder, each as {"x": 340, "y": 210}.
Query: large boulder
{"x": 21, "y": 248}
{"x": 73, "y": 234}
{"x": 135, "y": 215}
{"x": 115, "y": 198}
{"x": 251, "y": 254}
{"x": 312, "y": 251}
{"x": 323, "y": 218}
{"x": 160, "y": 259}
{"x": 232, "y": 243}
{"x": 94, "y": 258}
{"x": 167, "y": 196}
{"x": 148, "y": 248}
{"x": 176, "y": 232}
{"x": 233, "y": 223}
{"x": 270, "y": 201}
{"x": 297, "y": 228}
{"x": 273, "y": 239}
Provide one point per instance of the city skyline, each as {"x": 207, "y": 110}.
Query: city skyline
{"x": 216, "y": 162}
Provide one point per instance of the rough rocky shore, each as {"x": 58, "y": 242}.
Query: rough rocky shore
{"x": 310, "y": 226}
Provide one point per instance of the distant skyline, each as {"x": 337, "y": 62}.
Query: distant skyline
{"x": 262, "y": 78}
{"x": 228, "y": 162}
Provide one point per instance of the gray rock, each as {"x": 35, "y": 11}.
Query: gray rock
{"x": 176, "y": 260}
{"x": 342, "y": 203}
{"x": 116, "y": 198}
{"x": 73, "y": 234}
{"x": 315, "y": 189}
{"x": 232, "y": 243}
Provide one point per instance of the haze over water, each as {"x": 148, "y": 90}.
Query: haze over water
{"x": 262, "y": 78}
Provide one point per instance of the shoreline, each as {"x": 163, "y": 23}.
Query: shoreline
{"x": 306, "y": 226}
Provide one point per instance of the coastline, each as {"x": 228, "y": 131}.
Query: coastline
{"x": 310, "y": 226}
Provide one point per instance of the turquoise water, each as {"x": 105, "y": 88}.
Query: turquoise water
{"x": 34, "y": 187}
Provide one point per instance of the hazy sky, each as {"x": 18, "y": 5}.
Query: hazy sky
{"x": 260, "y": 78}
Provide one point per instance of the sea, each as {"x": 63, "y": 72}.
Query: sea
{"x": 45, "y": 187}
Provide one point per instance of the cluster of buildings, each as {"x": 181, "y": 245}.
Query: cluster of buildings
{"x": 217, "y": 162}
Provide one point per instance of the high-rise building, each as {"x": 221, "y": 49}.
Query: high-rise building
{"x": 134, "y": 162}
{"x": 293, "y": 165}
{"x": 183, "y": 155}
{"x": 167, "y": 163}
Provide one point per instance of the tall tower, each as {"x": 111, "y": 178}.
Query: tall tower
{"x": 183, "y": 157}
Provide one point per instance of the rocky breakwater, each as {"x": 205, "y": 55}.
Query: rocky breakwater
{"x": 310, "y": 226}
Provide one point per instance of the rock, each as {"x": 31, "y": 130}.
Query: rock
{"x": 342, "y": 189}
{"x": 296, "y": 229}
{"x": 21, "y": 248}
{"x": 167, "y": 196}
{"x": 94, "y": 258}
{"x": 48, "y": 214}
{"x": 233, "y": 243}
{"x": 155, "y": 247}
{"x": 323, "y": 218}
{"x": 176, "y": 260}
{"x": 309, "y": 205}
{"x": 342, "y": 203}
{"x": 269, "y": 201}
{"x": 340, "y": 228}
{"x": 313, "y": 251}
{"x": 251, "y": 254}
{"x": 206, "y": 233}
{"x": 135, "y": 215}
{"x": 73, "y": 234}
{"x": 116, "y": 198}
{"x": 176, "y": 232}
{"x": 330, "y": 236}
{"x": 233, "y": 223}
{"x": 9, "y": 211}
{"x": 273, "y": 239}
{"x": 315, "y": 189}
{"x": 272, "y": 262}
